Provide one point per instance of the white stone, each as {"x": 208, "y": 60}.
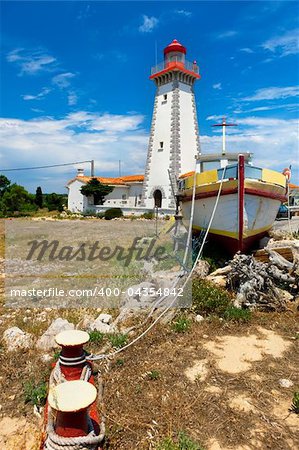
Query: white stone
{"x": 15, "y": 339}
{"x": 100, "y": 326}
{"x": 105, "y": 318}
{"x": 47, "y": 340}
{"x": 202, "y": 269}
{"x": 285, "y": 383}
{"x": 199, "y": 318}
{"x": 46, "y": 358}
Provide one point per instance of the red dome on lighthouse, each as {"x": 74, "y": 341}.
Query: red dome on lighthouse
{"x": 175, "y": 46}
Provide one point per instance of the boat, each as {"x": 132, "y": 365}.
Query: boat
{"x": 248, "y": 198}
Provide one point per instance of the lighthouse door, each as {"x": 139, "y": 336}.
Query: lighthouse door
{"x": 158, "y": 198}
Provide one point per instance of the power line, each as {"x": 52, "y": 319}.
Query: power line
{"x": 45, "y": 167}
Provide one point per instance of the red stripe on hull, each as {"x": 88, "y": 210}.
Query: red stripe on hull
{"x": 248, "y": 191}
{"x": 232, "y": 245}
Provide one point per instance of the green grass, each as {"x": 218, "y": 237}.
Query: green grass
{"x": 96, "y": 337}
{"x": 209, "y": 299}
{"x": 35, "y": 393}
{"x": 118, "y": 340}
{"x": 184, "y": 442}
{"x": 154, "y": 375}
{"x": 295, "y": 403}
{"x": 181, "y": 325}
{"x": 237, "y": 314}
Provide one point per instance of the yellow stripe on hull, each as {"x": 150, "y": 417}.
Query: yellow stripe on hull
{"x": 235, "y": 235}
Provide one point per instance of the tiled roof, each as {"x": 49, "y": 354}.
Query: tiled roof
{"x": 115, "y": 181}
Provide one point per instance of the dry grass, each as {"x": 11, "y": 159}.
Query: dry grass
{"x": 142, "y": 409}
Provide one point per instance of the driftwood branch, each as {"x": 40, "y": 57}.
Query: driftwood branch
{"x": 266, "y": 286}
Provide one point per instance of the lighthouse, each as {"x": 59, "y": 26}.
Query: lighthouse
{"x": 174, "y": 136}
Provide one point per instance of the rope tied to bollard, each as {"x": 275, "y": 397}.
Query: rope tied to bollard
{"x": 56, "y": 442}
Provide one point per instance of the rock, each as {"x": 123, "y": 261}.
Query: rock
{"x": 221, "y": 271}
{"x": 164, "y": 279}
{"x": 202, "y": 269}
{"x": 98, "y": 325}
{"x": 137, "y": 297}
{"x": 105, "y": 318}
{"x": 199, "y": 318}
{"x": 219, "y": 280}
{"x": 47, "y": 340}
{"x": 264, "y": 242}
{"x": 46, "y": 358}
{"x": 285, "y": 295}
{"x": 15, "y": 339}
{"x": 285, "y": 383}
{"x": 102, "y": 324}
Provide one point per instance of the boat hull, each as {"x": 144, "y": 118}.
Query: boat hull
{"x": 258, "y": 211}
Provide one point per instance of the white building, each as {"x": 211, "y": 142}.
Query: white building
{"x": 126, "y": 193}
{"x": 173, "y": 143}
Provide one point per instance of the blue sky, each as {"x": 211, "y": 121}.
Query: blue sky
{"x": 75, "y": 81}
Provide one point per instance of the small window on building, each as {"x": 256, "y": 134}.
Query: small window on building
{"x": 165, "y": 97}
{"x": 161, "y": 144}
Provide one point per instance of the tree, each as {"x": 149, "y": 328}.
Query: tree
{"x": 96, "y": 189}
{"x": 39, "y": 197}
{"x": 17, "y": 199}
{"x": 54, "y": 202}
{"x": 4, "y": 184}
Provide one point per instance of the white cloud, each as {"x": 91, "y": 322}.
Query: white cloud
{"x": 183, "y": 12}
{"x": 214, "y": 117}
{"x": 31, "y": 62}
{"x": 62, "y": 80}
{"x": 283, "y": 45}
{"x": 285, "y": 106}
{"x": 227, "y": 34}
{"x": 274, "y": 93}
{"x": 45, "y": 91}
{"x": 246, "y": 50}
{"x": 217, "y": 86}
{"x": 148, "y": 24}
{"x": 106, "y": 138}
{"x": 72, "y": 98}
{"x": 273, "y": 142}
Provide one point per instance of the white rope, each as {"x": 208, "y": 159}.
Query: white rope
{"x": 56, "y": 442}
{"x": 116, "y": 352}
{"x": 191, "y": 216}
{"x": 57, "y": 376}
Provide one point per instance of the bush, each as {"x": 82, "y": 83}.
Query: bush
{"x": 208, "y": 298}
{"x": 184, "y": 443}
{"x": 118, "y": 340}
{"x": 35, "y": 393}
{"x": 113, "y": 213}
{"x": 181, "y": 325}
{"x": 148, "y": 215}
{"x": 96, "y": 337}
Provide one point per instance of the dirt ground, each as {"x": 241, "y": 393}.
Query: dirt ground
{"x": 218, "y": 382}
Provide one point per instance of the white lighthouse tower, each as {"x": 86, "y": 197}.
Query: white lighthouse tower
{"x": 174, "y": 137}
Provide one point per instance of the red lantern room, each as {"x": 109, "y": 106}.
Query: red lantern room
{"x": 174, "y": 59}
{"x": 175, "y": 52}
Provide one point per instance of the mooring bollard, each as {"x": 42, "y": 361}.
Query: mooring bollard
{"x": 72, "y": 406}
{"x": 72, "y": 358}
{"x": 70, "y": 401}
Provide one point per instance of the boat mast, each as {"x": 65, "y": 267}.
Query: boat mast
{"x": 224, "y": 125}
